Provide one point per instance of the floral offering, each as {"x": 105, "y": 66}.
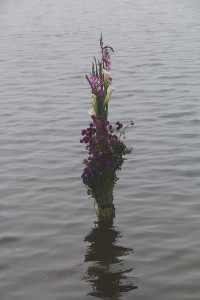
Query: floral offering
{"x": 106, "y": 150}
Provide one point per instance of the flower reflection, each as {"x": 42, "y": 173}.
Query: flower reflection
{"x": 107, "y": 274}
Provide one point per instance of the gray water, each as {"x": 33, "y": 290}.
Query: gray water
{"x": 50, "y": 246}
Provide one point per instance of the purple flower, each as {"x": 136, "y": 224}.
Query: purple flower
{"x": 100, "y": 130}
{"x": 83, "y": 132}
{"x": 112, "y": 140}
{"x": 120, "y": 125}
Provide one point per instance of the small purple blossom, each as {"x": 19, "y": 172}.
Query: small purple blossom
{"x": 83, "y": 132}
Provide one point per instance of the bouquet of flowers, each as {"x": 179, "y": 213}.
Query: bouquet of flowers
{"x": 102, "y": 139}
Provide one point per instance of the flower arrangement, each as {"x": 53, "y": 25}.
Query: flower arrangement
{"x": 103, "y": 140}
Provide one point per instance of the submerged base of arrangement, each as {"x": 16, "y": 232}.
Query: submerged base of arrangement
{"x": 104, "y": 199}
{"x": 106, "y": 211}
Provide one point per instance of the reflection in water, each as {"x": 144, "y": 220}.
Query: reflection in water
{"x": 107, "y": 274}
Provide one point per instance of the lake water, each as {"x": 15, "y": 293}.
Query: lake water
{"x": 51, "y": 247}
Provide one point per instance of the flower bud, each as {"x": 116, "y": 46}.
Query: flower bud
{"x": 106, "y": 77}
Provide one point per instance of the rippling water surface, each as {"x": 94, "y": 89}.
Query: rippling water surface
{"x": 50, "y": 246}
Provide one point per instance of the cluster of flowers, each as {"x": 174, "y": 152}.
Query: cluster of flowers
{"x": 103, "y": 140}
{"x": 106, "y": 152}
